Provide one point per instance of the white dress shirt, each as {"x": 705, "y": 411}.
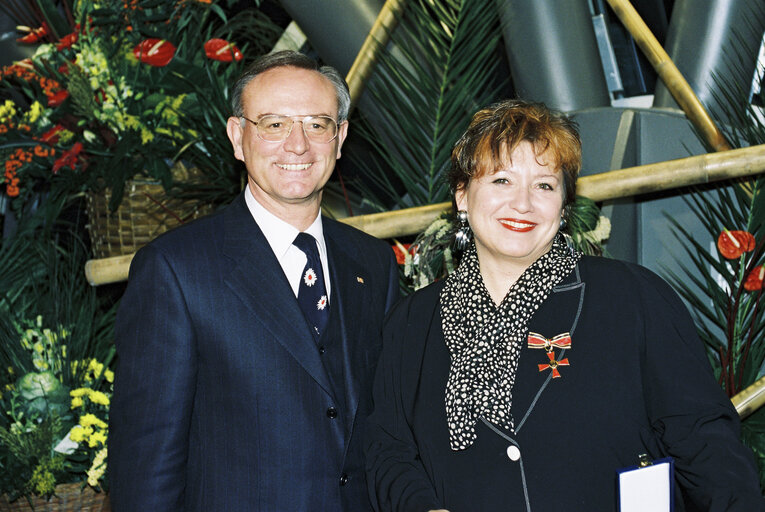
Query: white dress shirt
{"x": 280, "y": 236}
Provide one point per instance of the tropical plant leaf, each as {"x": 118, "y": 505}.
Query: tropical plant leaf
{"x": 440, "y": 68}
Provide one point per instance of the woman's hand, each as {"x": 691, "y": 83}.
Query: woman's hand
{"x": 439, "y": 510}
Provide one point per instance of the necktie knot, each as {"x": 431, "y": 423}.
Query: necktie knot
{"x": 312, "y": 292}
{"x": 307, "y": 244}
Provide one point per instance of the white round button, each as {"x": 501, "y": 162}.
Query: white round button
{"x": 513, "y": 453}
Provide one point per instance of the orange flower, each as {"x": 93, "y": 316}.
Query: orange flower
{"x": 12, "y": 191}
{"x": 755, "y": 278}
{"x": 42, "y": 151}
{"x": 67, "y": 41}
{"x": 733, "y": 244}
{"x": 11, "y": 165}
{"x": 57, "y": 98}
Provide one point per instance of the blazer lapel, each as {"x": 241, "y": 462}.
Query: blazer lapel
{"x": 348, "y": 290}
{"x": 258, "y": 280}
{"x": 559, "y": 314}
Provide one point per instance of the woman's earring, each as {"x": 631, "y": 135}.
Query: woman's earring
{"x": 563, "y": 223}
{"x": 462, "y": 236}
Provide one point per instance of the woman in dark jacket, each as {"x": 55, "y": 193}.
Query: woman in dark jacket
{"x": 528, "y": 377}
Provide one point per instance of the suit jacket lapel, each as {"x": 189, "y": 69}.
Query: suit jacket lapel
{"x": 258, "y": 280}
{"x": 560, "y": 313}
{"x": 348, "y": 288}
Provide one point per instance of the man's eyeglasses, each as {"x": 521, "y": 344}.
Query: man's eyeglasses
{"x": 276, "y": 128}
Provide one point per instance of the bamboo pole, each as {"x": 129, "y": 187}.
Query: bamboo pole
{"x": 670, "y": 75}
{"x": 750, "y": 399}
{"x": 628, "y": 182}
{"x": 376, "y": 40}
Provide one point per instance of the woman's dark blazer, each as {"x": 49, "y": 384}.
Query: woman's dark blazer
{"x": 638, "y": 382}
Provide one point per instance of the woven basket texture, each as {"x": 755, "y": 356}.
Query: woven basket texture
{"x": 67, "y": 498}
{"x": 145, "y": 213}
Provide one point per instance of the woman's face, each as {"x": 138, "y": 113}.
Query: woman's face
{"x": 515, "y": 212}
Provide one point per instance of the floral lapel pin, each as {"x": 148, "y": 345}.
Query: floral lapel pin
{"x": 561, "y": 341}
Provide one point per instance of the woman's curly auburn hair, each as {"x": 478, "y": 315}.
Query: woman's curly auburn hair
{"x": 496, "y": 131}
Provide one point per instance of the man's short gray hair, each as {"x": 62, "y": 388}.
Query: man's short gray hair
{"x": 297, "y": 60}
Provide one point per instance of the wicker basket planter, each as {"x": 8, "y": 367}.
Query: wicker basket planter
{"x": 67, "y": 498}
{"x": 145, "y": 213}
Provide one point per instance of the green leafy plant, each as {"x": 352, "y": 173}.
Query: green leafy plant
{"x": 722, "y": 271}
{"x": 55, "y": 339}
{"x": 439, "y": 69}
{"x": 133, "y": 87}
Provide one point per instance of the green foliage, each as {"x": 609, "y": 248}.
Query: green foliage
{"x": 752, "y": 430}
{"x": 729, "y": 318}
{"x": 439, "y": 69}
{"x": 124, "y": 117}
{"x": 27, "y": 460}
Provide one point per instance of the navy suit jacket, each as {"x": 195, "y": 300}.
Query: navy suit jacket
{"x": 221, "y": 396}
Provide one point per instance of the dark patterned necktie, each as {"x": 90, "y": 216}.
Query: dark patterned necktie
{"x": 312, "y": 293}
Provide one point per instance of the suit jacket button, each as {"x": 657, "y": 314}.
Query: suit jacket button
{"x": 513, "y": 453}
{"x": 343, "y": 479}
{"x": 332, "y": 413}
{"x": 321, "y": 350}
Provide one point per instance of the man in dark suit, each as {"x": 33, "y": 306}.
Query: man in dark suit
{"x": 235, "y": 389}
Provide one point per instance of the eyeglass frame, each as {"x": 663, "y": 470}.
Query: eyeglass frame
{"x": 294, "y": 119}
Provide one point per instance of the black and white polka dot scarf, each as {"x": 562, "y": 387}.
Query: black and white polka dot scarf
{"x": 485, "y": 341}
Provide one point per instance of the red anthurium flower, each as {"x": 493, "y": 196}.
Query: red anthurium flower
{"x": 754, "y": 280}
{"x": 400, "y": 251}
{"x": 222, "y": 50}
{"x": 155, "y": 52}
{"x": 67, "y": 41}
{"x": 68, "y": 158}
{"x": 733, "y": 244}
{"x": 57, "y": 98}
{"x": 34, "y": 35}
{"x": 51, "y": 136}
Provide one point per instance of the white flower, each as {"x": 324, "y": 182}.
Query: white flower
{"x": 310, "y": 277}
{"x": 322, "y": 303}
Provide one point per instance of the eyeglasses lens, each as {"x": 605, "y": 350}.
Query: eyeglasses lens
{"x": 277, "y": 128}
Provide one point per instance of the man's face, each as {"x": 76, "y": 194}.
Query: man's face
{"x": 292, "y": 172}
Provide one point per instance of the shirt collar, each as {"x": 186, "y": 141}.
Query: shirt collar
{"x": 279, "y": 233}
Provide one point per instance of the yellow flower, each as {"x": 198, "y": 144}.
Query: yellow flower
{"x": 11, "y": 371}
{"x": 78, "y": 434}
{"x": 96, "y": 367}
{"x": 35, "y": 110}
{"x": 146, "y": 136}
{"x": 97, "y": 437}
{"x": 131, "y": 122}
{"x": 7, "y": 111}
{"x": 97, "y": 469}
{"x": 98, "y": 397}
{"x": 80, "y": 392}
{"x": 64, "y": 136}
{"x": 89, "y": 420}
{"x": 77, "y": 402}
{"x": 109, "y": 375}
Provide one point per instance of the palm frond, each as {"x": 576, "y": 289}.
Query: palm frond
{"x": 441, "y": 67}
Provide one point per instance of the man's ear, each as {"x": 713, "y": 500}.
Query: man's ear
{"x": 235, "y": 133}
{"x": 342, "y": 133}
